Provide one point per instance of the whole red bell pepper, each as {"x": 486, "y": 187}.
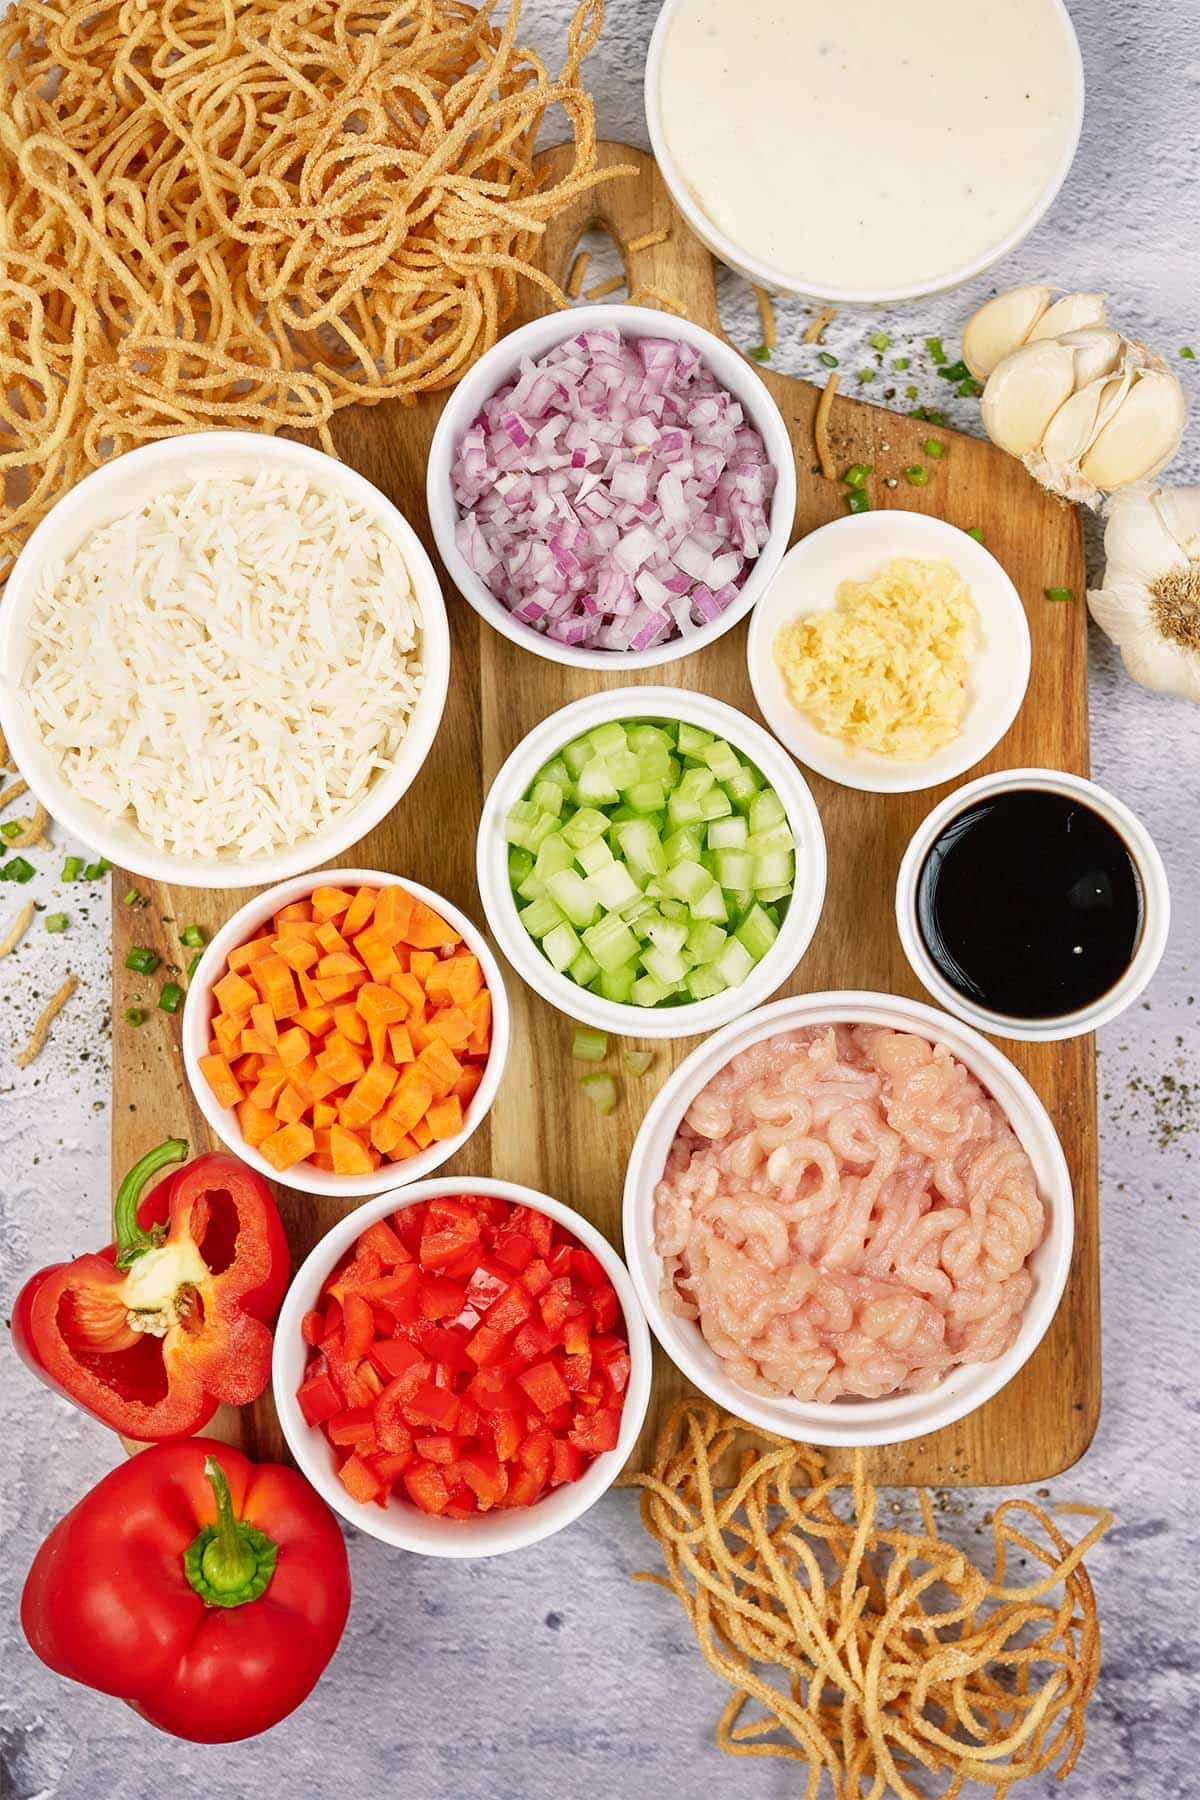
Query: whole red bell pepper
{"x": 150, "y": 1335}
{"x": 205, "y": 1591}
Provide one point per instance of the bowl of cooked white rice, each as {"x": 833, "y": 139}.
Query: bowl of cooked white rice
{"x": 223, "y": 659}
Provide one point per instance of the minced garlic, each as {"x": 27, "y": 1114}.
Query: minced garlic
{"x": 885, "y": 669}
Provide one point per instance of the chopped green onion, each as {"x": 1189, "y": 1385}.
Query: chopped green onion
{"x": 194, "y": 964}
{"x": 143, "y": 960}
{"x": 12, "y": 828}
{"x": 1059, "y": 593}
{"x": 589, "y": 1046}
{"x": 1188, "y": 354}
{"x": 934, "y": 347}
{"x": 192, "y": 936}
{"x": 827, "y": 359}
{"x": 134, "y": 1015}
{"x": 130, "y": 898}
{"x": 879, "y": 340}
{"x": 910, "y": 393}
{"x": 867, "y": 374}
{"x": 19, "y": 870}
{"x": 56, "y": 922}
{"x": 917, "y": 475}
{"x": 636, "y": 1062}
{"x": 856, "y": 474}
{"x": 95, "y": 870}
{"x": 970, "y": 388}
{"x": 169, "y": 998}
{"x": 857, "y": 502}
{"x": 601, "y": 1090}
{"x": 955, "y": 371}
{"x": 901, "y": 362}
{"x": 976, "y": 532}
{"x": 761, "y": 353}
{"x": 934, "y": 447}
{"x": 71, "y": 868}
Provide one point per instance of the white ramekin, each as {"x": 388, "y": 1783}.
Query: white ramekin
{"x": 103, "y": 496}
{"x": 398, "y": 1522}
{"x": 734, "y": 257}
{"x": 197, "y": 1012}
{"x": 500, "y": 364}
{"x": 851, "y": 549}
{"x": 1156, "y": 903}
{"x": 850, "y": 1422}
{"x": 499, "y": 903}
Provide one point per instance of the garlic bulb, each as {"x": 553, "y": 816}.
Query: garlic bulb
{"x": 1086, "y": 409}
{"x": 1149, "y": 604}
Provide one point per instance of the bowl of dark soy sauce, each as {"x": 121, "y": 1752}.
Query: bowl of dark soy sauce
{"x": 1033, "y": 904}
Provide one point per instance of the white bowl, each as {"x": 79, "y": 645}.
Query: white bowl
{"x": 499, "y": 904}
{"x": 850, "y": 1422}
{"x": 854, "y": 548}
{"x": 400, "y": 1523}
{"x": 779, "y": 282}
{"x": 197, "y": 1012}
{"x": 500, "y": 365}
{"x": 1156, "y": 903}
{"x": 102, "y": 496}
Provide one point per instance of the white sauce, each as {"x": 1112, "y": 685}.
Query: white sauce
{"x": 861, "y": 148}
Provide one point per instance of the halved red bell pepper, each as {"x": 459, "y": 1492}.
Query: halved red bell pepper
{"x": 153, "y": 1333}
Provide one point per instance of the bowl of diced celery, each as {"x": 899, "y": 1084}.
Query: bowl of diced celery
{"x": 651, "y": 862}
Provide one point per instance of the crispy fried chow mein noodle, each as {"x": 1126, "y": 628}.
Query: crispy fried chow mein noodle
{"x": 252, "y": 212}
{"x": 881, "y": 1658}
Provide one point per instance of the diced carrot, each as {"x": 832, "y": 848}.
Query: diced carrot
{"x": 409, "y": 988}
{"x": 379, "y": 1004}
{"x": 400, "y": 1044}
{"x": 452, "y": 1025}
{"x": 263, "y": 1021}
{"x": 250, "y": 1044}
{"x": 310, "y": 993}
{"x": 393, "y": 908}
{"x": 457, "y": 978}
{"x": 255, "y": 1123}
{"x": 407, "y": 1147}
{"x": 221, "y": 1079}
{"x": 319, "y": 1161}
{"x": 445, "y": 1118}
{"x": 329, "y": 991}
{"x": 322, "y": 1142}
{"x": 245, "y": 1069}
{"x": 291, "y": 1105}
{"x": 227, "y": 1029}
{"x": 330, "y": 902}
{"x": 339, "y": 962}
{"x": 290, "y": 1145}
{"x": 349, "y": 1021}
{"x": 422, "y": 963}
{"x": 304, "y": 930}
{"x": 316, "y": 1020}
{"x": 468, "y": 1082}
{"x": 323, "y": 1114}
{"x": 480, "y": 1011}
{"x": 321, "y": 1085}
{"x": 368, "y": 1095}
{"x": 418, "y": 1032}
{"x": 295, "y": 910}
{"x": 422, "y": 1137}
{"x": 385, "y": 1133}
{"x": 276, "y": 985}
{"x": 296, "y": 953}
{"x": 233, "y": 993}
{"x": 359, "y": 912}
{"x": 350, "y": 1154}
{"x": 272, "y": 1079}
{"x": 411, "y": 1097}
{"x": 441, "y": 1066}
{"x": 293, "y": 1047}
{"x": 427, "y": 930}
{"x": 341, "y": 1059}
{"x": 330, "y": 940}
{"x": 239, "y": 960}
{"x": 378, "y": 955}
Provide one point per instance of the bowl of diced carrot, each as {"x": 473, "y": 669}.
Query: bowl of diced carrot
{"x": 346, "y": 1031}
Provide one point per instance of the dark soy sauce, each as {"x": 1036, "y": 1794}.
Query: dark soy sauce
{"x": 1030, "y": 904}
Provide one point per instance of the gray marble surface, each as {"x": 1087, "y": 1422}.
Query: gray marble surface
{"x": 547, "y": 1675}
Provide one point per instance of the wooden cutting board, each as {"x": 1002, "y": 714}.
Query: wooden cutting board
{"x": 542, "y": 1130}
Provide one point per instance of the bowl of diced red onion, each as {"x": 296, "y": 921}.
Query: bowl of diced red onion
{"x": 612, "y": 487}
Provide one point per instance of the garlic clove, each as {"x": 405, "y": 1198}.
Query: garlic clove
{"x": 1001, "y": 326}
{"x": 1073, "y": 427}
{"x": 1141, "y": 435}
{"x": 1179, "y": 511}
{"x": 1023, "y": 393}
{"x": 1074, "y": 312}
{"x": 1097, "y": 352}
{"x": 1140, "y": 542}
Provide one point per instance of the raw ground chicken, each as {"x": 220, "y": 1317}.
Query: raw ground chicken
{"x": 846, "y": 1212}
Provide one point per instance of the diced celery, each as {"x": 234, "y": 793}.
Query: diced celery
{"x": 711, "y": 906}
{"x": 616, "y": 984}
{"x": 601, "y": 1090}
{"x": 655, "y": 762}
{"x": 621, "y": 815}
{"x": 773, "y": 869}
{"x": 542, "y": 916}
{"x": 642, "y": 848}
{"x": 637, "y": 1062}
{"x": 573, "y": 895}
{"x": 646, "y": 796}
{"x": 741, "y": 902}
{"x": 734, "y": 869}
{"x": 555, "y": 770}
{"x": 692, "y": 740}
{"x": 577, "y": 753}
{"x": 757, "y": 932}
{"x": 549, "y": 796}
{"x": 722, "y": 759}
{"x": 532, "y": 888}
{"x": 741, "y": 787}
{"x": 716, "y": 805}
{"x": 624, "y": 767}
{"x": 667, "y": 966}
{"x": 594, "y": 856}
{"x": 613, "y": 887}
{"x": 595, "y": 784}
{"x": 695, "y": 783}
{"x": 584, "y": 969}
{"x": 734, "y": 963}
{"x": 703, "y": 983}
{"x": 636, "y": 912}
{"x": 610, "y": 736}
{"x": 778, "y": 837}
{"x": 672, "y": 934}
{"x": 684, "y": 845}
{"x": 705, "y": 940}
{"x": 611, "y": 942}
{"x": 776, "y": 893}
{"x": 687, "y": 881}
{"x": 519, "y": 825}
{"x": 520, "y": 862}
{"x": 588, "y": 1045}
{"x": 674, "y": 909}
{"x": 644, "y": 737}
{"x": 561, "y": 946}
{"x": 648, "y": 991}
{"x": 584, "y": 827}
{"x": 553, "y": 854}
{"x": 728, "y": 834}
{"x": 683, "y": 810}
{"x": 766, "y": 809}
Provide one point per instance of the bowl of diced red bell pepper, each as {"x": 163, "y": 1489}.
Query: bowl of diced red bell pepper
{"x": 462, "y": 1367}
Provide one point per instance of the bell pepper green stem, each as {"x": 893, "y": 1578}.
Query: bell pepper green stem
{"x": 230, "y": 1562}
{"x": 132, "y": 1241}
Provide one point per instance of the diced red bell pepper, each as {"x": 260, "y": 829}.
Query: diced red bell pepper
{"x": 390, "y": 1466}
{"x": 358, "y": 1327}
{"x": 391, "y": 1427}
{"x": 506, "y": 1433}
{"x": 536, "y": 1452}
{"x": 598, "y": 1431}
{"x": 312, "y": 1327}
{"x": 577, "y": 1335}
{"x": 537, "y": 1227}
{"x": 559, "y": 1260}
{"x": 605, "y": 1310}
{"x": 544, "y": 1385}
{"x": 487, "y": 1347}
{"x": 432, "y": 1405}
{"x": 385, "y": 1243}
{"x": 359, "y": 1479}
{"x": 317, "y": 1397}
{"x": 510, "y": 1310}
{"x": 426, "y": 1488}
{"x": 566, "y": 1463}
{"x": 407, "y": 1224}
{"x": 486, "y": 1477}
{"x": 392, "y": 1356}
{"x": 352, "y": 1389}
{"x": 533, "y": 1341}
{"x": 536, "y": 1277}
{"x": 437, "y": 1447}
{"x": 524, "y": 1488}
{"x": 439, "y": 1297}
{"x": 515, "y": 1251}
{"x": 554, "y": 1303}
{"x": 617, "y": 1371}
{"x": 353, "y": 1427}
{"x": 486, "y": 1284}
{"x": 445, "y": 1345}
{"x": 450, "y": 1228}
{"x": 577, "y": 1371}
{"x": 491, "y": 1392}
{"x": 589, "y": 1268}
{"x": 333, "y": 1322}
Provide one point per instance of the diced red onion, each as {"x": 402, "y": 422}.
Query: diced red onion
{"x": 613, "y": 496}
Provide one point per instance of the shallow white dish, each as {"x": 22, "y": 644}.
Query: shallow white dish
{"x": 103, "y": 496}
{"x": 852, "y": 549}
{"x": 400, "y": 1523}
{"x": 848, "y": 1422}
{"x": 1156, "y": 902}
{"x": 500, "y": 364}
{"x": 780, "y": 282}
{"x": 499, "y": 904}
{"x": 197, "y": 1012}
